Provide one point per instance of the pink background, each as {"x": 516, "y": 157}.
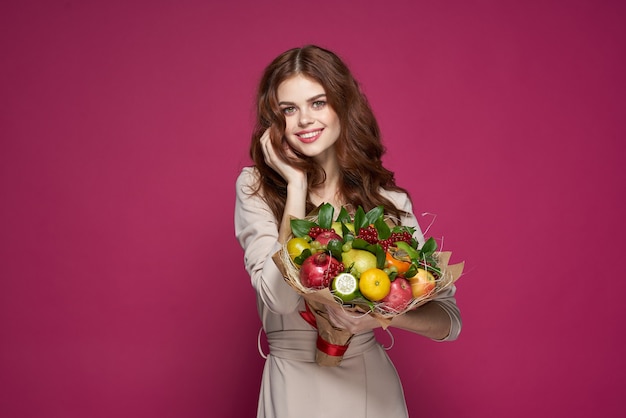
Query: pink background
{"x": 124, "y": 124}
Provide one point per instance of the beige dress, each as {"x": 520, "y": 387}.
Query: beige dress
{"x": 365, "y": 384}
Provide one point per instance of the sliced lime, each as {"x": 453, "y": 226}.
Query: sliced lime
{"x": 345, "y": 286}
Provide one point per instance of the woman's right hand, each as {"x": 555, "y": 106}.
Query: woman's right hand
{"x": 287, "y": 171}
{"x": 297, "y": 188}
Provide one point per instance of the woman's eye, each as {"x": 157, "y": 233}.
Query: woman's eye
{"x": 289, "y": 110}
{"x": 319, "y": 104}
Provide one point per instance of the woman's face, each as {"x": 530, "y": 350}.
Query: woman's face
{"x": 312, "y": 126}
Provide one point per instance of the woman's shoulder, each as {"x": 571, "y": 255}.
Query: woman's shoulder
{"x": 248, "y": 176}
{"x": 400, "y": 199}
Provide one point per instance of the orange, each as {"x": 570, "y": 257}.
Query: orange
{"x": 374, "y": 284}
{"x": 401, "y": 266}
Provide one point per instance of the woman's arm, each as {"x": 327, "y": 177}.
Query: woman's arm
{"x": 257, "y": 232}
{"x": 297, "y": 189}
{"x": 439, "y": 319}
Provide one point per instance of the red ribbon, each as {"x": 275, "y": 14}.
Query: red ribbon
{"x": 323, "y": 345}
{"x": 308, "y": 316}
{"x": 330, "y": 349}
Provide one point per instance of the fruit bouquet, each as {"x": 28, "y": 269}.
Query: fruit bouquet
{"x": 365, "y": 263}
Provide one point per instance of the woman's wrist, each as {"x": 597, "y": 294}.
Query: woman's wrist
{"x": 295, "y": 206}
{"x": 298, "y": 185}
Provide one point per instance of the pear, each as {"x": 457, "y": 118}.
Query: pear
{"x": 357, "y": 261}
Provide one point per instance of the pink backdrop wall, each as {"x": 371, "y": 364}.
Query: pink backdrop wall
{"x": 124, "y": 124}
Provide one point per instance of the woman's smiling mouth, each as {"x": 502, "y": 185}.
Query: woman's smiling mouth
{"x": 309, "y": 136}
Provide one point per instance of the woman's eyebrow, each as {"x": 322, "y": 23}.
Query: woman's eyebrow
{"x": 312, "y": 99}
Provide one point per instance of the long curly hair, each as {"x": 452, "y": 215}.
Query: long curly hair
{"x": 359, "y": 147}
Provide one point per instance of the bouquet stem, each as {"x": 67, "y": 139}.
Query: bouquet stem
{"x": 332, "y": 342}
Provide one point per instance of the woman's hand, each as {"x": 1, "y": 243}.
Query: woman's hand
{"x": 355, "y": 322}
{"x": 286, "y": 170}
{"x": 297, "y": 189}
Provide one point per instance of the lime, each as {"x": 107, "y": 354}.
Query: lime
{"x": 345, "y": 286}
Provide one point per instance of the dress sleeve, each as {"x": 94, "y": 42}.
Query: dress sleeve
{"x": 256, "y": 230}
{"x": 446, "y": 298}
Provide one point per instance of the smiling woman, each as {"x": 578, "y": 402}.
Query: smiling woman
{"x": 312, "y": 126}
{"x": 317, "y": 141}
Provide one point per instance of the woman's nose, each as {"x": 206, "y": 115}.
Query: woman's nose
{"x": 305, "y": 118}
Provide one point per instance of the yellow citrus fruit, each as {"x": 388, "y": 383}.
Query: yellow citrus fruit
{"x": 295, "y": 246}
{"x": 374, "y": 284}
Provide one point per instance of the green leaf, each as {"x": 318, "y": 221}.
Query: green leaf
{"x": 383, "y": 229}
{"x": 360, "y": 244}
{"x": 347, "y": 232}
{"x": 301, "y": 227}
{"x": 344, "y": 216}
{"x": 402, "y": 228}
{"x": 380, "y": 256}
{"x": 412, "y": 271}
{"x": 373, "y": 215}
{"x": 306, "y": 253}
{"x": 359, "y": 219}
{"x": 325, "y": 216}
{"x": 412, "y": 252}
{"x": 334, "y": 246}
{"x": 429, "y": 247}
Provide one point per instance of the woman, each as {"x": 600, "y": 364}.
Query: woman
{"x": 316, "y": 140}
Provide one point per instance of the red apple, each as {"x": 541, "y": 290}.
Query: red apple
{"x": 325, "y": 236}
{"x": 318, "y": 270}
{"x": 399, "y": 296}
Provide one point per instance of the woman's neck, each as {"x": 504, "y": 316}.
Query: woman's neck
{"x": 328, "y": 192}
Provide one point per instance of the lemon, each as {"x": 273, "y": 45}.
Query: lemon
{"x": 374, "y": 284}
{"x": 345, "y": 286}
{"x": 296, "y": 245}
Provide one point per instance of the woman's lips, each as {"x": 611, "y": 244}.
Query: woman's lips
{"x": 309, "y": 136}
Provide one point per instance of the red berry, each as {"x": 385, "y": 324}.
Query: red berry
{"x": 316, "y": 230}
{"x": 369, "y": 234}
{"x": 395, "y": 237}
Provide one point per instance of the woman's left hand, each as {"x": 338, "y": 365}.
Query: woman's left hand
{"x": 355, "y": 322}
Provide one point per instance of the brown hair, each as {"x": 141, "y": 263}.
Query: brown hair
{"x": 359, "y": 147}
